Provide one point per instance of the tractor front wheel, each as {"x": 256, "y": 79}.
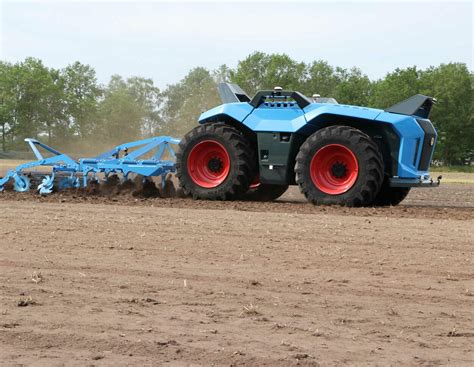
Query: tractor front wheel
{"x": 214, "y": 162}
{"x": 339, "y": 165}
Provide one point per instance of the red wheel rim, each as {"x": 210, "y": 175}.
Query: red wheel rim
{"x": 208, "y": 164}
{"x": 255, "y": 183}
{"x": 334, "y": 169}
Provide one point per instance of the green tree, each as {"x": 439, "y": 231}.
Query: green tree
{"x": 82, "y": 94}
{"x": 452, "y": 85}
{"x": 284, "y": 72}
{"x": 148, "y": 97}
{"x": 320, "y": 79}
{"x": 262, "y": 71}
{"x": 120, "y": 115}
{"x": 222, "y": 74}
{"x": 186, "y": 100}
{"x": 395, "y": 87}
{"x": 31, "y": 87}
{"x": 129, "y": 110}
{"x": 353, "y": 87}
{"x": 6, "y": 101}
{"x": 56, "y": 123}
{"x": 251, "y": 72}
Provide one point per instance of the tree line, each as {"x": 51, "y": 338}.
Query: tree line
{"x": 68, "y": 108}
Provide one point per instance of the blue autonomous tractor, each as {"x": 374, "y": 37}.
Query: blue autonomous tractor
{"x": 337, "y": 154}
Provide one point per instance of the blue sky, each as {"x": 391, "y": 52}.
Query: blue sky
{"x": 164, "y": 40}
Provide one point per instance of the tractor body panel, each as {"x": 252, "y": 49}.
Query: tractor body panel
{"x": 414, "y": 143}
{"x": 276, "y": 155}
{"x": 317, "y": 111}
{"x": 236, "y": 111}
{"x": 270, "y": 117}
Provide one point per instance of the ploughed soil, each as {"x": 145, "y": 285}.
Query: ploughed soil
{"x": 94, "y": 278}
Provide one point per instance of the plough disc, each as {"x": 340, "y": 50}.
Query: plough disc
{"x": 21, "y": 184}
{"x": 46, "y": 185}
{"x": 68, "y": 183}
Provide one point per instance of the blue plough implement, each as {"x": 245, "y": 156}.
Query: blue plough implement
{"x": 66, "y": 172}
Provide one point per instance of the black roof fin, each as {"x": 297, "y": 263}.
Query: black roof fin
{"x": 231, "y": 93}
{"x": 418, "y": 105}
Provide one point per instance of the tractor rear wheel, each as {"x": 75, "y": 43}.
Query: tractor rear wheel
{"x": 391, "y": 196}
{"x": 339, "y": 165}
{"x": 213, "y": 162}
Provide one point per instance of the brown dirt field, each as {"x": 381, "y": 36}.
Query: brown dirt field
{"x": 128, "y": 281}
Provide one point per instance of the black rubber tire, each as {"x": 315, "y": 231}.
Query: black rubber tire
{"x": 370, "y": 174}
{"x": 391, "y": 196}
{"x": 237, "y": 181}
{"x": 265, "y": 192}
